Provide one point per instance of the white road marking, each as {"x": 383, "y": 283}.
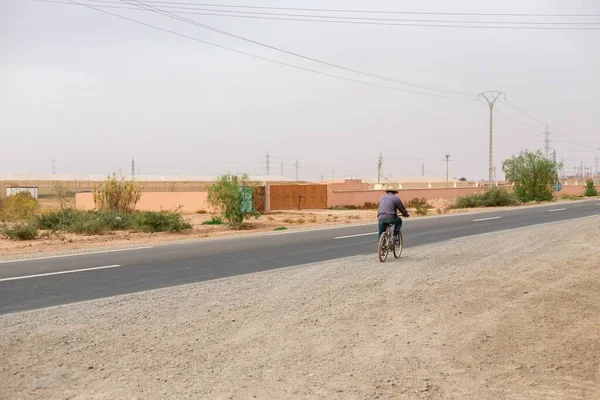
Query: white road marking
{"x": 352, "y": 236}
{"x": 486, "y": 219}
{"x": 75, "y": 254}
{"x": 557, "y": 209}
{"x": 57, "y": 273}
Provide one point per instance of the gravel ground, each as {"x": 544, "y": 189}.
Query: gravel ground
{"x": 514, "y": 315}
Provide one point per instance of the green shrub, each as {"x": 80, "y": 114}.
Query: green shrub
{"x": 17, "y": 207}
{"x": 214, "y": 220}
{"x": 421, "y": 206}
{"x": 590, "y": 189}
{"x": 493, "y": 197}
{"x": 21, "y": 231}
{"x": 280, "y": 228}
{"x": 232, "y": 195}
{"x": 148, "y": 221}
{"x": 86, "y": 222}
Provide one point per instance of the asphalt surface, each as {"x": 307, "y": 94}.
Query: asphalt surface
{"x": 32, "y": 284}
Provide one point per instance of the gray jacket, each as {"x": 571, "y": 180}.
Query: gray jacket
{"x": 388, "y": 204}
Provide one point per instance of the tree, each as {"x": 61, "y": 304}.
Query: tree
{"x": 463, "y": 179}
{"x": 62, "y": 193}
{"x": 232, "y": 195}
{"x": 532, "y": 175}
{"x": 590, "y": 190}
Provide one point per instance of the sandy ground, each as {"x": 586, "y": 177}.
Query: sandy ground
{"x": 50, "y": 244}
{"x": 514, "y": 315}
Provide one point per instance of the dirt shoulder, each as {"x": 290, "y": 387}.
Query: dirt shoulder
{"x": 491, "y": 317}
{"x": 52, "y": 244}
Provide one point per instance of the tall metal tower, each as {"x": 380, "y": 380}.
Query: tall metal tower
{"x": 132, "y": 167}
{"x": 53, "y": 167}
{"x": 447, "y": 162}
{"x": 268, "y": 163}
{"x": 297, "y": 165}
{"x": 379, "y": 167}
{"x": 491, "y": 97}
{"x": 547, "y": 140}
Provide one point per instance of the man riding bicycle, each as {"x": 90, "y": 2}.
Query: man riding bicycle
{"x": 386, "y": 212}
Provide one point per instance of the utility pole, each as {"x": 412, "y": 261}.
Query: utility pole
{"x": 581, "y": 168}
{"x": 281, "y": 169}
{"x": 423, "y": 170}
{"x": 53, "y": 167}
{"x": 491, "y": 98}
{"x": 379, "y": 166}
{"x": 547, "y": 134}
{"x": 297, "y": 165}
{"x": 596, "y": 160}
{"x": 132, "y": 167}
{"x": 268, "y": 163}
{"x": 447, "y": 162}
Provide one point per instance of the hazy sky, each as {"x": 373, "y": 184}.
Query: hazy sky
{"x": 92, "y": 91}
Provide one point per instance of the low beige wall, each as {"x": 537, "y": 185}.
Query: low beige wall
{"x": 338, "y": 198}
{"x": 156, "y": 201}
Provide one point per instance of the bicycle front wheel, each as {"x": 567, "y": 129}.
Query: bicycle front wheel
{"x": 382, "y": 248}
{"x": 398, "y": 246}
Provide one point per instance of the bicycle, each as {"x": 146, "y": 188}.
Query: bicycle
{"x": 387, "y": 243}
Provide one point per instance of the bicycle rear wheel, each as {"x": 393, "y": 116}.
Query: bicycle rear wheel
{"x": 398, "y": 246}
{"x": 382, "y": 248}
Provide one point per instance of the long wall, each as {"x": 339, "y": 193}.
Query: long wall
{"x": 339, "y": 198}
{"x": 287, "y": 197}
{"x": 189, "y": 202}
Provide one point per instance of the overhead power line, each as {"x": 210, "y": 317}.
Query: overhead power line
{"x": 266, "y": 58}
{"x": 175, "y": 8}
{"x": 533, "y": 25}
{"x": 329, "y": 64}
{"x": 369, "y": 11}
{"x": 518, "y": 109}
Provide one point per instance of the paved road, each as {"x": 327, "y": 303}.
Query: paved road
{"x": 31, "y": 284}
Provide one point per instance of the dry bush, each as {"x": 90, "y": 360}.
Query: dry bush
{"x": 17, "y": 207}
{"x": 117, "y": 195}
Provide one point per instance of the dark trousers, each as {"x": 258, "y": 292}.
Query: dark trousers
{"x": 383, "y": 222}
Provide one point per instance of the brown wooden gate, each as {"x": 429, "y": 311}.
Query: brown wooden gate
{"x": 298, "y": 197}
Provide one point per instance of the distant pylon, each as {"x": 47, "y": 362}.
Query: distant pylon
{"x": 53, "y": 167}
{"x": 268, "y": 163}
{"x": 379, "y": 167}
{"x": 547, "y": 134}
{"x": 297, "y": 165}
{"x": 132, "y": 167}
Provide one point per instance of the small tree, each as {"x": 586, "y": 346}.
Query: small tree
{"x": 532, "y": 174}
{"x": 117, "y": 195}
{"x": 590, "y": 189}
{"x": 62, "y": 193}
{"x": 231, "y": 194}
